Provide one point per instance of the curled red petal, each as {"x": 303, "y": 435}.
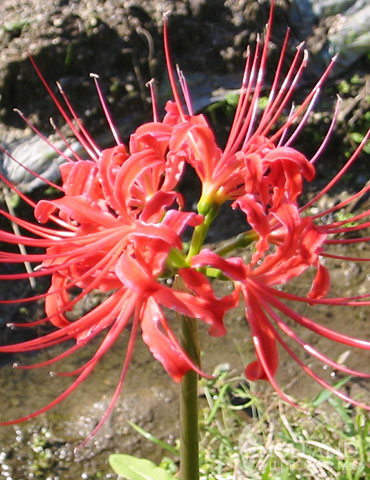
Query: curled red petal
{"x": 201, "y": 286}
{"x": 55, "y": 300}
{"x": 109, "y": 164}
{"x": 77, "y": 208}
{"x": 173, "y": 359}
{"x": 155, "y": 207}
{"x": 258, "y": 220}
{"x": 135, "y": 276}
{"x": 178, "y": 220}
{"x": 80, "y": 178}
{"x": 130, "y": 173}
{"x": 194, "y": 307}
{"x": 264, "y": 339}
{"x": 158, "y": 231}
{"x": 153, "y": 135}
{"x": 321, "y": 283}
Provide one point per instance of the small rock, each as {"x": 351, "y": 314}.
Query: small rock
{"x": 36, "y": 156}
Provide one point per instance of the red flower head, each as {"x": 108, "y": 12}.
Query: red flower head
{"x": 264, "y": 176}
{"x": 118, "y": 224}
{"x": 251, "y": 148}
{"x": 289, "y": 242}
{"x": 115, "y": 226}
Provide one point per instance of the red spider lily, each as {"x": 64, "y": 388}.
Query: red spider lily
{"x": 288, "y": 242}
{"x": 107, "y": 249}
{"x": 288, "y": 245}
{"x": 299, "y": 247}
{"x": 119, "y": 221}
{"x": 229, "y": 173}
{"x": 264, "y": 175}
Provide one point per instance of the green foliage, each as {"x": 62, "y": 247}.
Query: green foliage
{"x": 357, "y": 138}
{"x": 262, "y": 102}
{"x": 51, "y": 192}
{"x": 69, "y": 55}
{"x": 221, "y": 422}
{"x": 325, "y": 395}
{"x": 252, "y": 435}
{"x": 224, "y": 108}
{"x": 15, "y": 28}
{"x": 14, "y": 200}
{"x": 154, "y": 439}
{"x": 43, "y": 460}
{"x": 132, "y": 468}
{"x": 345, "y": 86}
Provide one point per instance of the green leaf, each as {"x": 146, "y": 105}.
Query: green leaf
{"x": 266, "y": 473}
{"x": 232, "y": 98}
{"x": 153, "y": 439}
{"x": 357, "y": 136}
{"x": 326, "y": 394}
{"x": 132, "y": 468}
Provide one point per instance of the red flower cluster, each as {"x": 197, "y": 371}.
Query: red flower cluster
{"x": 119, "y": 221}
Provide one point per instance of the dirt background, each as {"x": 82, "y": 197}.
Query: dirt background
{"x": 121, "y": 41}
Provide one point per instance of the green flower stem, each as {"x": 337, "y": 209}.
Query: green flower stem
{"x": 201, "y": 231}
{"x": 189, "y": 435}
{"x": 176, "y": 259}
{"x": 240, "y": 241}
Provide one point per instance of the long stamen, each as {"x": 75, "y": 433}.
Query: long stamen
{"x": 106, "y": 110}
{"x": 77, "y": 346}
{"x": 311, "y": 350}
{"x": 318, "y": 379}
{"x": 69, "y": 122}
{"x": 342, "y": 204}
{"x": 87, "y": 136}
{"x": 347, "y": 258}
{"x": 129, "y": 352}
{"x": 185, "y": 90}
{"x": 285, "y": 132}
{"x": 276, "y": 76}
{"x": 74, "y": 154}
{"x": 153, "y": 95}
{"x": 118, "y": 321}
{"x": 240, "y": 107}
{"x": 303, "y": 121}
{"x": 69, "y": 331}
{"x": 329, "y": 132}
{"x": 45, "y": 233}
{"x": 341, "y": 172}
{"x": 56, "y": 401}
{"x": 285, "y": 92}
{"x": 325, "y": 332}
{"x": 305, "y": 103}
{"x": 170, "y": 70}
{"x": 283, "y": 96}
{"x": 242, "y": 124}
{"x": 102, "y": 263}
{"x": 260, "y": 79}
{"x": 35, "y": 174}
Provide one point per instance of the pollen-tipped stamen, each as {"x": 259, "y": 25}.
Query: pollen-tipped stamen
{"x": 107, "y": 114}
